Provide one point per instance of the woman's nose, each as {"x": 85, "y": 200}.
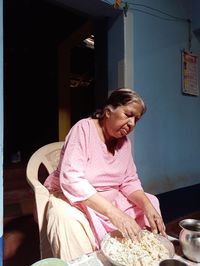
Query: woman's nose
{"x": 131, "y": 121}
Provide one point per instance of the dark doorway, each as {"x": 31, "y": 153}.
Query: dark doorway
{"x": 32, "y": 32}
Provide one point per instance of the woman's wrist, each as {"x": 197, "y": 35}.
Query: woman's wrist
{"x": 140, "y": 199}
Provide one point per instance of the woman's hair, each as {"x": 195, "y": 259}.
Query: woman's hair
{"x": 120, "y": 97}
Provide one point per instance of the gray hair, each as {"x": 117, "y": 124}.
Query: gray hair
{"x": 120, "y": 97}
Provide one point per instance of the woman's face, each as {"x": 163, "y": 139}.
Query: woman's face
{"x": 121, "y": 121}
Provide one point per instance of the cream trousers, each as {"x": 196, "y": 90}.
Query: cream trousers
{"x": 68, "y": 230}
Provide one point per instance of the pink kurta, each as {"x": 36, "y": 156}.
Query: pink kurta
{"x": 86, "y": 167}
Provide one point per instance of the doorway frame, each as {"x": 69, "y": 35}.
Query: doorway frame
{"x": 120, "y": 56}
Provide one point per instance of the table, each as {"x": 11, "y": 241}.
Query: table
{"x": 98, "y": 259}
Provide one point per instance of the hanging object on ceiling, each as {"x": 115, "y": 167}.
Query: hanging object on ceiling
{"x": 89, "y": 42}
{"x": 117, "y": 4}
{"x": 125, "y": 8}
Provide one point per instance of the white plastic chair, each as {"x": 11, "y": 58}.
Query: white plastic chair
{"x": 48, "y": 156}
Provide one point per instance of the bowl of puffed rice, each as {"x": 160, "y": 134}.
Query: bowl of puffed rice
{"x": 150, "y": 250}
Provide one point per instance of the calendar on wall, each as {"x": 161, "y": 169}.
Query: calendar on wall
{"x": 189, "y": 73}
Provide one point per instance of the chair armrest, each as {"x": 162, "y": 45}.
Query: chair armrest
{"x": 37, "y": 186}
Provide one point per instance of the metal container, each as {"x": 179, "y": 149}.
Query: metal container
{"x": 172, "y": 262}
{"x": 189, "y": 238}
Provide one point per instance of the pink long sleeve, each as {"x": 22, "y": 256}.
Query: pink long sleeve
{"x": 73, "y": 181}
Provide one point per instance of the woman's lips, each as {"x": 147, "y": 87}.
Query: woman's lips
{"x": 124, "y": 132}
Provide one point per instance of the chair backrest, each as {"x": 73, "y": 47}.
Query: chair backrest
{"x": 48, "y": 156}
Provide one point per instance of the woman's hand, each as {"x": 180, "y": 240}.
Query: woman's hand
{"x": 155, "y": 220}
{"x": 122, "y": 221}
{"x": 125, "y": 224}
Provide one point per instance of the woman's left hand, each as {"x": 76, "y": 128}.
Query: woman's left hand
{"x": 155, "y": 220}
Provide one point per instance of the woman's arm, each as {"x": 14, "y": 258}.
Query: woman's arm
{"x": 123, "y": 222}
{"x": 140, "y": 199}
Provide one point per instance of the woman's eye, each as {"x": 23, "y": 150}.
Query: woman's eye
{"x": 137, "y": 118}
{"x": 128, "y": 115}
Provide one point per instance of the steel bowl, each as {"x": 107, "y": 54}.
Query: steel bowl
{"x": 172, "y": 262}
{"x": 189, "y": 238}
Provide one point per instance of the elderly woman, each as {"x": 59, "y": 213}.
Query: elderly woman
{"x": 95, "y": 188}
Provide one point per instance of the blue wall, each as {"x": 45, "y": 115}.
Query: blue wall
{"x": 1, "y": 131}
{"x": 167, "y": 139}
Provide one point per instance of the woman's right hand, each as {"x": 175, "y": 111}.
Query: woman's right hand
{"x": 122, "y": 221}
{"x": 125, "y": 224}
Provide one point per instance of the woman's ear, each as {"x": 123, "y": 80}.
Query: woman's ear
{"x": 108, "y": 111}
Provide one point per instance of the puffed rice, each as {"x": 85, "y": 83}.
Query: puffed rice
{"x": 148, "y": 251}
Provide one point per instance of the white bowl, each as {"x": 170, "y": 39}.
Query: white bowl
{"x": 50, "y": 262}
{"x": 106, "y": 241}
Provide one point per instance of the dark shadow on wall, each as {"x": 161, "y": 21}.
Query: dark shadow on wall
{"x": 179, "y": 202}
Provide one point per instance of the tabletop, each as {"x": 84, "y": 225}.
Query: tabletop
{"x": 98, "y": 259}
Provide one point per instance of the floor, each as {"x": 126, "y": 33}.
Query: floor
{"x": 21, "y": 242}
{"x": 21, "y": 238}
